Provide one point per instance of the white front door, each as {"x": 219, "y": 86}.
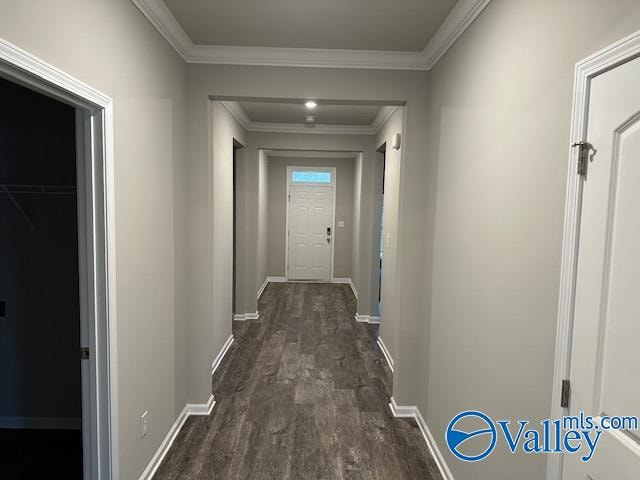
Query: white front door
{"x": 606, "y": 340}
{"x": 310, "y": 232}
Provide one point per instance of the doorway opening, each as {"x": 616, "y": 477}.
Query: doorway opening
{"x": 74, "y": 173}
{"x": 238, "y": 153}
{"x": 381, "y": 163}
{"x": 41, "y": 408}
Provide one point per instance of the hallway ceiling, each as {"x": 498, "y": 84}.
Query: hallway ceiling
{"x": 294, "y": 113}
{"x": 397, "y": 25}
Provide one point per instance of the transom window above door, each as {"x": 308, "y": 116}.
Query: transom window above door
{"x": 310, "y": 176}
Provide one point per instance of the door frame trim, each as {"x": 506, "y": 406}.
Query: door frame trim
{"x": 606, "y": 59}
{"x": 96, "y": 249}
{"x": 334, "y": 183}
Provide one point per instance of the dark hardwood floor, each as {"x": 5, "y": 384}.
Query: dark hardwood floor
{"x": 302, "y": 394}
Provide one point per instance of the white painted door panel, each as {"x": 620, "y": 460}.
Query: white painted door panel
{"x": 606, "y": 341}
{"x": 310, "y": 215}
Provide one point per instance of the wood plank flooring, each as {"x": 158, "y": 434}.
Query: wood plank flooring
{"x": 303, "y": 393}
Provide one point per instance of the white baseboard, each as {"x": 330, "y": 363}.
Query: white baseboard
{"x": 223, "y": 351}
{"x": 401, "y": 411}
{"x": 241, "y": 317}
{"x": 187, "y": 411}
{"x": 267, "y": 281}
{"x": 261, "y": 289}
{"x": 41, "y": 423}
{"x": 414, "y": 412}
{"x": 385, "y": 352}
{"x": 349, "y": 281}
{"x": 340, "y": 280}
{"x": 276, "y": 279}
{"x": 367, "y": 319}
{"x": 200, "y": 408}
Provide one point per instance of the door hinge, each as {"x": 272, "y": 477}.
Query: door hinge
{"x": 586, "y": 152}
{"x": 84, "y": 353}
{"x": 565, "y": 397}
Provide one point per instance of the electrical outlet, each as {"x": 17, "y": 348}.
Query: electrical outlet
{"x": 143, "y": 424}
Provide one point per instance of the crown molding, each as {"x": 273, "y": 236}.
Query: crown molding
{"x": 165, "y": 22}
{"x": 382, "y": 117}
{"x": 462, "y": 15}
{"x": 316, "y": 130}
{"x": 243, "y": 119}
{"x": 238, "y": 113}
{"x": 307, "y": 57}
{"x": 310, "y": 154}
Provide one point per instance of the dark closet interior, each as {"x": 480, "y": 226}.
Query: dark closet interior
{"x": 40, "y": 378}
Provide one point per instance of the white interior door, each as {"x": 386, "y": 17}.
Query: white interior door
{"x": 310, "y": 232}
{"x": 606, "y": 348}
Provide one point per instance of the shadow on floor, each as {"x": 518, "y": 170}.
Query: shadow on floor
{"x": 40, "y": 454}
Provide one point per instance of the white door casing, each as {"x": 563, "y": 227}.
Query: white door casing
{"x": 605, "y": 352}
{"x": 96, "y": 249}
{"x": 586, "y": 71}
{"x": 310, "y": 231}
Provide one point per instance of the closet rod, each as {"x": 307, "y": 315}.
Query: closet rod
{"x": 23, "y": 189}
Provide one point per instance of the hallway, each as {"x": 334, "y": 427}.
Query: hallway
{"x": 303, "y": 393}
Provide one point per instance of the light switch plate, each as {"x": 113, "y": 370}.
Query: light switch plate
{"x": 340, "y": 223}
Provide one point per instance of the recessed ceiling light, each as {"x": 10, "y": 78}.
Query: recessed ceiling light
{"x": 311, "y": 104}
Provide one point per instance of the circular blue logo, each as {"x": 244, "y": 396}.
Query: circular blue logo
{"x": 456, "y": 437}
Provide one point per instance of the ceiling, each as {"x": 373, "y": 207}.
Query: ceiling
{"x": 394, "y": 25}
{"x": 368, "y": 34}
{"x": 294, "y": 113}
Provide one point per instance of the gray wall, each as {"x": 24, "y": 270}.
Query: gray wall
{"x": 498, "y": 143}
{"x": 339, "y": 84}
{"x": 314, "y": 142}
{"x": 264, "y": 218}
{"x": 389, "y": 293}
{"x": 277, "y": 211}
{"x": 219, "y": 272}
{"x": 357, "y": 219}
{"x": 475, "y": 193}
{"x": 112, "y": 47}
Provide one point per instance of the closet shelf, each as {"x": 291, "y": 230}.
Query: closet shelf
{"x": 23, "y": 189}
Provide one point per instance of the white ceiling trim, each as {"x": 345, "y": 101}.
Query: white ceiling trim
{"x": 240, "y": 115}
{"x": 306, "y": 57}
{"x": 458, "y": 20}
{"x": 317, "y": 129}
{"x": 165, "y": 22}
{"x": 309, "y": 154}
{"x": 382, "y": 117}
